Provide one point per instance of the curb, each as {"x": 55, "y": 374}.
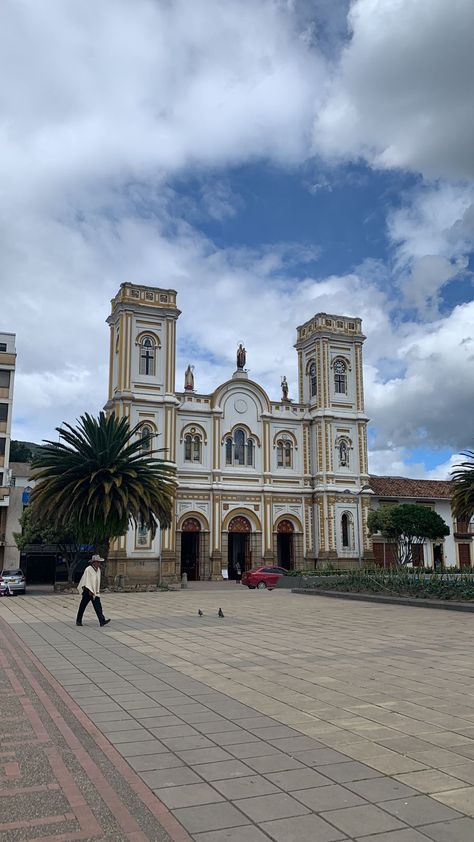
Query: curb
{"x": 448, "y": 605}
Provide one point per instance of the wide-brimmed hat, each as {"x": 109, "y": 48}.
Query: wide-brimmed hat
{"x": 97, "y": 558}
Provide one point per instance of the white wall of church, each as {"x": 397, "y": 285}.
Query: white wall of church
{"x": 345, "y": 448}
{"x": 196, "y": 425}
{"x": 241, "y": 408}
{"x": 139, "y": 544}
{"x": 157, "y": 333}
{"x": 343, "y": 354}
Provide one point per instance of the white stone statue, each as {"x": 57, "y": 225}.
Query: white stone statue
{"x": 189, "y": 379}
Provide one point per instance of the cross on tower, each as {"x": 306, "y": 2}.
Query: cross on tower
{"x": 148, "y": 356}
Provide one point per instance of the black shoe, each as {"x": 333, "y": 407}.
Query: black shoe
{"x": 105, "y": 623}
{"x": 78, "y": 624}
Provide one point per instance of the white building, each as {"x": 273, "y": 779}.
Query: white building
{"x": 456, "y": 550}
{"x": 20, "y": 486}
{"x": 7, "y": 375}
{"x": 259, "y": 481}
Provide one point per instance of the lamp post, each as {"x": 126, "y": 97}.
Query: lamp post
{"x": 358, "y": 519}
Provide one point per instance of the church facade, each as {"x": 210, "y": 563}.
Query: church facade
{"x": 260, "y": 481}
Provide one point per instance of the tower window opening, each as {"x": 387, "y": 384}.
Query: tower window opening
{"x": 147, "y": 356}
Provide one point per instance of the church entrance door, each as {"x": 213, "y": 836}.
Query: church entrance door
{"x": 238, "y": 557}
{"x": 190, "y": 536}
{"x": 285, "y": 544}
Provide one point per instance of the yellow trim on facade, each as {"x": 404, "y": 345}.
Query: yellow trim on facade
{"x": 216, "y": 438}
{"x": 242, "y": 511}
{"x": 294, "y": 519}
{"x": 120, "y": 353}
{"x": 266, "y": 445}
{"x": 195, "y": 514}
{"x": 325, "y": 371}
{"x": 268, "y": 522}
{"x": 111, "y": 361}
{"x": 216, "y": 523}
{"x": 147, "y": 331}
{"x": 300, "y": 377}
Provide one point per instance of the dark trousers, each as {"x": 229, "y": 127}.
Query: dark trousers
{"x": 86, "y": 598}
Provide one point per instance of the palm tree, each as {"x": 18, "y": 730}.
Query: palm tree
{"x": 99, "y": 477}
{"x": 463, "y": 479}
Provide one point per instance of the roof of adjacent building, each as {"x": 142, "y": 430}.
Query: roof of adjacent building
{"x": 425, "y": 489}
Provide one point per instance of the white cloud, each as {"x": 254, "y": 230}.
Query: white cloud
{"x": 400, "y": 96}
{"x": 106, "y": 101}
{"x": 435, "y": 219}
{"x": 396, "y": 462}
{"x": 430, "y": 404}
{"x": 429, "y": 274}
{"x": 127, "y": 90}
{"x": 226, "y": 295}
{"x": 432, "y": 234}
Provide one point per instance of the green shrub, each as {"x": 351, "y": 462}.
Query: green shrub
{"x": 327, "y": 571}
{"x": 407, "y": 583}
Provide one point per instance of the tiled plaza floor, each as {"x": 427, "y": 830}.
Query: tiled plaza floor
{"x": 292, "y": 719}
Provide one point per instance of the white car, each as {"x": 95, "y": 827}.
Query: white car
{"x": 15, "y": 579}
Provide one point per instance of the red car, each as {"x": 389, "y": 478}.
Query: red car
{"x": 263, "y": 577}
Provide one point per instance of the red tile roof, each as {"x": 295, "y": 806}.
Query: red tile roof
{"x": 419, "y": 489}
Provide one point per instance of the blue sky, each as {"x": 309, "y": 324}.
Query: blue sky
{"x": 340, "y": 211}
{"x": 279, "y": 152}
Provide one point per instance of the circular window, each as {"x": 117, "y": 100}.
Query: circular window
{"x": 240, "y": 406}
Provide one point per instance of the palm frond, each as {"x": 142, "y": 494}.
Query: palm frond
{"x": 99, "y": 474}
{"x": 463, "y": 479}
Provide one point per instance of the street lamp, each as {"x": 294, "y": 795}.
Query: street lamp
{"x": 358, "y": 494}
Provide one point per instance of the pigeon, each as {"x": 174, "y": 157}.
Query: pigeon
{"x": 220, "y": 613}
{"x": 201, "y": 614}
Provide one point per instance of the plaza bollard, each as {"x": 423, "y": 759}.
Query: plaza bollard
{"x": 184, "y": 580}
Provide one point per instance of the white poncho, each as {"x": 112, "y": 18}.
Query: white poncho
{"x": 90, "y": 580}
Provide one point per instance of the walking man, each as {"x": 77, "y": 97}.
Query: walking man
{"x": 89, "y": 588}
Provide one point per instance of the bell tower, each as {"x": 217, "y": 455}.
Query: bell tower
{"x": 142, "y": 388}
{"x": 330, "y": 381}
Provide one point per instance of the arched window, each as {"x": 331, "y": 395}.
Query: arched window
{"x": 313, "y": 381}
{"x": 340, "y": 377}
{"x": 250, "y": 452}
{"x": 147, "y": 356}
{"x": 239, "y": 447}
{"x": 347, "y": 529}
{"x": 192, "y": 448}
{"x": 146, "y": 438}
{"x": 239, "y": 450}
{"x": 188, "y": 447}
{"x": 284, "y": 454}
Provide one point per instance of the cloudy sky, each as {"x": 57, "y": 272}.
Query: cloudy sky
{"x": 268, "y": 160}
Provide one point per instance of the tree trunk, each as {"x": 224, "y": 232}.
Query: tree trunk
{"x": 103, "y": 550}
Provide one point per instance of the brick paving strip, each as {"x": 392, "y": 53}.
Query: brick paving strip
{"x": 234, "y": 766}
{"x": 87, "y": 790}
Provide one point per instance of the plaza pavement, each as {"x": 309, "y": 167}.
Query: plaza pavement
{"x": 292, "y": 719}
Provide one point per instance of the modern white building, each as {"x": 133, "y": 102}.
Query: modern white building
{"x": 19, "y": 494}
{"x": 7, "y": 376}
{"x": 259, "y": 481}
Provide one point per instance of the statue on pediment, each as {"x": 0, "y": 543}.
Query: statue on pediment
{"x": 241, "y": 356}
{"x": 189, "y": 379}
